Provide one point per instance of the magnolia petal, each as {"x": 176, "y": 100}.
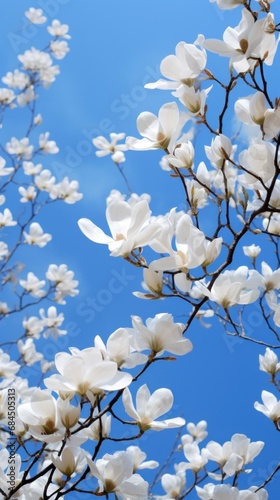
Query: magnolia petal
{"x": 92, "y": 232}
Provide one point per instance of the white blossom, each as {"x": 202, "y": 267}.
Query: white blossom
{"x": 51, "y": 322}
{"x": 16, "y": 79}
{"x": 21, "y": 148}
{"x": 139, "y": 459}
{"x": 30, "y": 169}
{"x": 59, "y": 49}
{"x": 48, "y": 147}
{"x": 33, "y": 285}
{"x": 115, "y": 474}
{"x": 45, "y": 180}
{"x": 269, "y": 362}
{"x": 246, "y": 43}
{"x": 4, "y": 170}
{"x": 149, "y": 407}
{"x": 6, "y": 218}
{"x": 66, "y": 191}
{"x": 35, "y": 16}
{"x": 129, "y": 225}
{"x": 252, "y": 251}
{"x": 7, "y": 96}
{"x": 153, "y": 284}
{"x": 28, "y": 352}
{"x": 4, "y": 250}
{"x": 106, "y": 147}
{"x": 193, "y": 100}
{"x": 158, "y": 132}
{"x": 182, "y": 68}
{"x": 36, "y": 235}
{"x": 32, "y": 326}
{"x": 27, "y": 194}
{"x": 64, "y": 283}
{"x": 8, "y": 368}
{"x": 270, "y": 408}
{"x": 161, "y": 334}
{"x": 85, "y": 371}
{"x": 58, "y": 30}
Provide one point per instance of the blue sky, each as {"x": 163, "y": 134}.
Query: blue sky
{"x": 116, "y": 47}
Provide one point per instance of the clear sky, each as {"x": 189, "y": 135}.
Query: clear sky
{"x": 116, "y": 47}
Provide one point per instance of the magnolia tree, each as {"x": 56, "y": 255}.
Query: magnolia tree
{"x": 64, "y": 435}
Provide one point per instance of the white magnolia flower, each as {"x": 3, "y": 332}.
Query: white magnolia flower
{"x": 196, "y": 460}
{"x": 16, "y": 79}
{"x": 66, "y": 191}
{"x": 4, "y": 309}
{"x": 115, "y": 474}
{"x": 64, "y": 283}
{"x": 4, "y": 250}
{"x": 35, "y": 16}
{"x": 38, "y": 119}
{"x": 192, "y": 248}
{"x": 30, "y": 169}
{"x": 21, "y": 148}
{"x": 153, "y": 284}
{"x": 269, "y": 362}
{"x": 271, "y": 279}
{"x": 68, "y": 414}
{"x": 182, "y": 68}
{"x": 8, "y": 368}
{"x": 25, "y": 97}
{"x": 51, "y": 322}
{"x": 6, "y": 218}
{"x": 28, "y": 352}
{"x": 120, "y": 350}
{"x": 100, "y": 426}
{"x": 270, "y": 408}
{"x": 33, "y": 285}
{"x": 36, "y": 235}
{"x": 4, "y": 170}
{"x": 194, "y": 100}
{"x": 27, "y": 194}
{"x": 41, "y": 415}
{"x": 198, "y": 431}
{"x": 32, "y": 327}
{"x": 129, "y": 225}
{"x": 220, "y": 151}
{"x": 35, "y": 60}
{"x": 138, "y": 458}
{"x": 149, "y": 407}
{"x": 46, "y": 146}
{"x": 59, "y": 49}
{"x": 47, "y": 75}
{"x": 253, "y": 110}
{"x": 272, "y": 224}
{"x": 45, "y": 365}
{"x": 233, "y": 287}
{"x": 234, "y": 454}
{"x": 159, "y": 132}
{"x": 252, "y": 251}
{"x": 7, "y": 96}
{"x": 85, "y": 371}
{"x": 69, "y": 460}
{"x": 45, "y": 180}
{"x": 106, "y": 147}
{"x": 173, "y": 485}
{"x": 246, "y": 43}
{"x": 183, "y": 156}
{"x": 161, "y": 334}
{"x": 58, "y": 30}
